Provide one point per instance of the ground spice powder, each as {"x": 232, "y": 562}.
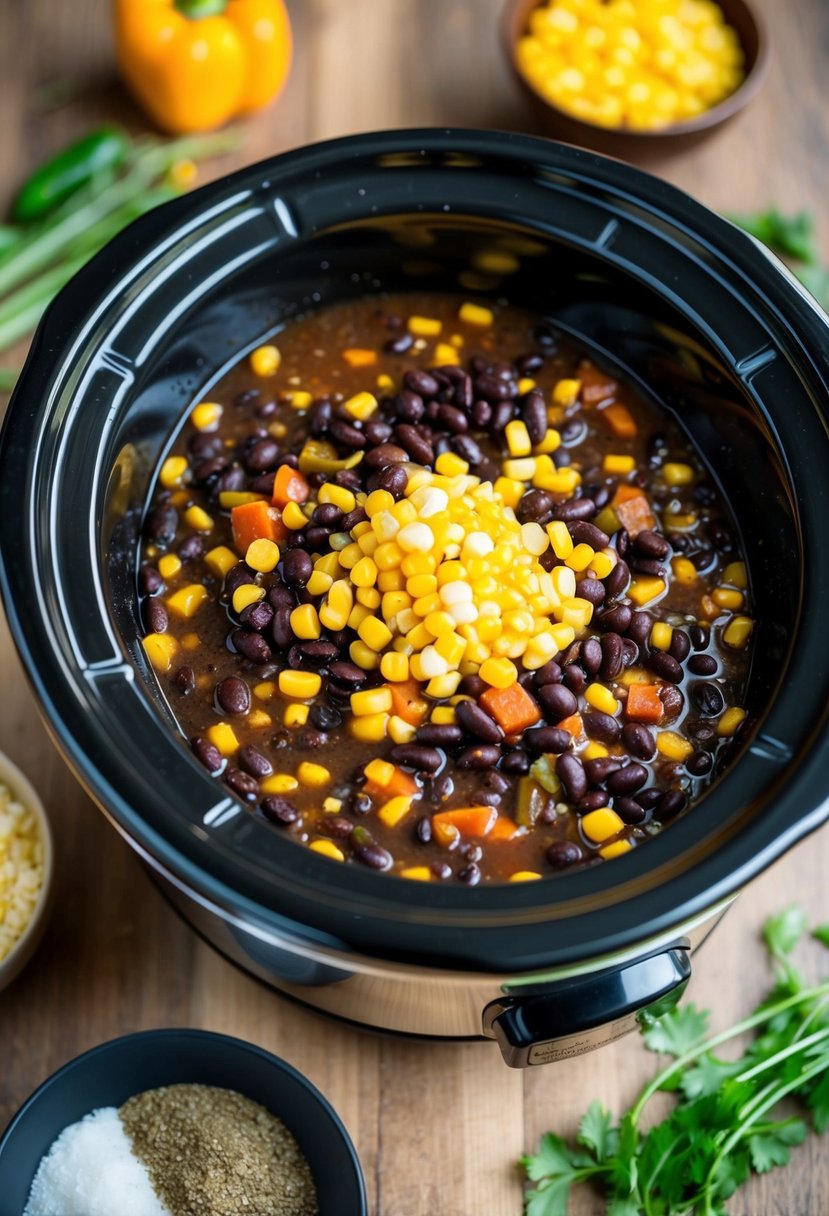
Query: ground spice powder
{"x": 214, "y": 1152}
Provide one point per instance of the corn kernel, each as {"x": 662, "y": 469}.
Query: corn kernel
{"x": 600, "y": 825}
{"x": 509, "y": 490}
{"x": 371, "y": 701}
{"x": 566, "y": 392}
{"x": 618, "y": 465}
{"x": 361, "y": 405}
{"x": 173, "y": 471}
{"x": 443, "y": 715}
{"x": 338, "y": 495}
{"x": 677, "y": 474}
{"x": 601, "y": 698}
{"x": 198, "y": 519}
{"x": 262, "y": 555}
{"x": 391, "y": 812}
{"x": 305, "y": 622}
{"x": 335, "y": 612}
{"x": 299, "y": 684}
{"x": 293, "y": 516}
{"x": 265, "y": 360}
{"x": 673, "y": 745}
{"x": 364, "y": 656}
{"x": 399, "y": 730}
{"x": 522, "y": 468}
{"x": 220, "y": 560}
{"x": 524, "y": 876}
{"x": 560, "y": 539}
{"x": 728, "y": 598}
{"x": 394, "y": 666}
{"x": 735, "y": 574}
{"x": 160, "y": 648}
{"x": 446, "y": 355}
{"x": 279, "y": 783}
{"x": 318, "y": 583}
{"x": 417, "y": 873}
{"x": 737, "y": 632}
{"x": 684, "y": 570}
{"x": 424, "y": 327}
{"x": 313, "y": 775}
{"x": 594, "y": 751}
{"x": 296, "y": 714}
{"x": 264, "y": 690}
{"x": 615, "y": 849}
{"x": 661, "y": 635}
{"x": 206, "y": 416}
{"x": 443, "y": 686}
{"x": 550, "y": 443}
{"x": 476, "y": 314}
{"x": 500, "y": 673}
{"x": 223, "y": 737}
{"x": 448, "y": 464}
{"x": 327, "y": 848}
{"x": 332, "y": 806}
{"x": 299, "y": 399}
{"x": 246, "y": 595}
{"x": 603, "y": 563}
{"x": 258, "y": 719}
{"x": 730, "y": 722}
{"x": 645, "y": 589}
{"x": 169, "y": 565}
{"x": 228, "y": 499}
{"x": 187, "y": 601}
{"x": 580, "y": 558}
{"x": 518, "y": 438}
{"x": 364, "y": 573}
{"x": 369, "y": 729}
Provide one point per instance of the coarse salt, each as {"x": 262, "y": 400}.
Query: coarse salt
{"x": 21, "y": 868}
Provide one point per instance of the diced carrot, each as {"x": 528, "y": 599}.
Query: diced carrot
{"x": 469, "y": 820}
{"x": 643, "y": 703}
{"x": 407, "y": 702}
{"x": 357, "y": 357}
{"x": 256, "y": 521}
{"x": 289, "y": 485}
{"x": 401, "y": 784}
{"x": 624, "y": 493}
{"x": 595, "y": 385}
{"x": 573, "y": 725}
{"x": 504, "y": 829}
{"x": 635, "y": 515}
{"x": 512, "y": 708}
{"x": 620, "y": 420}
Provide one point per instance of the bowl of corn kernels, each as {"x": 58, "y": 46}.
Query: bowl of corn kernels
{"x": 25, "y": 870}
{"x": 632, "y": 77}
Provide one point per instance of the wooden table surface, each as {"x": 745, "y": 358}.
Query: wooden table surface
{"x": 438, "y": 1127}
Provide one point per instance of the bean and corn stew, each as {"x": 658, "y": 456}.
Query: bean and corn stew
{"x": 433, "y": 592}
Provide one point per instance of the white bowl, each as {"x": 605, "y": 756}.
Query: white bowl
{"x": 27, "y": 943}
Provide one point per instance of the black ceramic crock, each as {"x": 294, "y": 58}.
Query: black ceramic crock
{"x": 683, "y": 303}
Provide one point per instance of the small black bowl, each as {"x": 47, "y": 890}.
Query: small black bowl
{"x": 113, "y": 1072}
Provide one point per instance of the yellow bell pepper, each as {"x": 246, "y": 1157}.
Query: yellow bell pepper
{"x": 195, "y": 64}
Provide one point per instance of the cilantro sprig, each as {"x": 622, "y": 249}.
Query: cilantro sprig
{"x": 725, "y": 1122}
{"x": 791, "y": 237}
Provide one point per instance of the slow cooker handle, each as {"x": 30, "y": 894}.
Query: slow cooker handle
{"x": 567, "y": 1018}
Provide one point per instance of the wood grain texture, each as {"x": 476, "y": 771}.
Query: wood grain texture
{"x": 438, "y": 1127}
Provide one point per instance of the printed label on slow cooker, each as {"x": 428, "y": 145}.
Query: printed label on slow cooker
{"x": 578, "y": 1044}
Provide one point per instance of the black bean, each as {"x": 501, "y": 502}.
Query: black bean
{"x": 591, "y": 655}
{"x": 575, "y": 508}
{"x": 310, "y": 740}
{"x": 254, "y": 762}
{"x": 203, "y": 446}
{"x": 527, "y": 364}
{"x": 680, "y": 646}
{"x": 279, "y": 810}
{"x": 629, "y": 810}
{"x": 586, "y": 533}
{"x": 191, "y": 548}
{"x": 627, "y": 780}
{"x": 591, "y": 802}
{"x": 649, "y": 566}
{"x": 698, "y": 764}
{"x": 280, "y": 597}
{"x": 550, "y": 673}
{"x": 242, "y": 784}
{"x": 470, "y": 874}
{"x": 438, "y": 734}
{"x": 281, "y": 631}
{"x": 570, "y": 772}
{"x": 185, "y": 680}
{"x": 155, "y": 616}
{"x": 150, "y": 581}
{"x": 703, "y": 665}
{"x": 612, "y": 656}
{"x": 233, "y": 695}
{"x": 703, "y": 559}
{"x": 453, "y": 419}
{"x": 557, "y": 701}
{"x": 297, "y": 567}
{"x": 535, "y": 506}
{"x": 592, "y": 590}
{"x": 373, "y": 855}
{"x": 466, "y": 447}
{"x": 617, "y": 581}
{"x": 670, "y": 804}
{"x": 517, "y": 763}
{"x": 423, "y": 829}
{"x": 262, "y": 456}
{"x": 496, "y": 782}
{"x": 639, "y": 629}
{"x": 464, "y": 394}
{"x": 651, "y": 544}
{"x": 672, "y": 701}
{"x": 599, "y": 770}
{"x": 207, "y": 754}
{"x": 617, "y": 619}
{"x": 325, "y": 717}
{"x": 399, "y": 345}
{"x": 648, "y": 798}
{"x": 535, "y": 416}
{"x": 574, "y": 679}
{"x": 601, "y": 726}
{"x": 700, "y": 636}
{"x": 237, "y": 576}
{"x": 493, "y": 389}
{"x": 385, "y": 454}
{"x": 639, "y": 741}
{"x": 257, "y": 616}
{"x": 347, "y": 673}
{"x": 548, "y": 739}
{"x": 252, "y": 645}
{"x": 478, "y": 723}
{"x": 481, "y": 413}
{"x": 377, "y": 431}
{"x": 630, "y": 652}
{"x": 327, "y": 515}
{"x": 708, "y": 699}
{"x": 720, "y": 537}
{"x": 484, "y": 755}
{"x": 421, "y": 382}
{"x": 418, "y": 448}
{"x": 663, "y": 665}
{"x": 337, "y": 826}
{"x": 161, "y": 524}
{"x": 317, "y": 653}
{"x": 209, "y": 470}
{"x": 421, "y": 758}
{"x": 564, "y": 853}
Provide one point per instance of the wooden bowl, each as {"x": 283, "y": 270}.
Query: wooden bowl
{"x": 632, "y": 144}
{"x": 27, "y": 943}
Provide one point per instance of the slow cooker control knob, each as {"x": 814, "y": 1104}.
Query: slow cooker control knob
{"x": 542, "y": 1023}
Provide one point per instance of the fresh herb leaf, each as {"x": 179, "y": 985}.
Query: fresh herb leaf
{"x": 816, "y": 280}
{"x": 723, "y": 1124}
{"x": 792, "y": 236}
{"x": 821, "y": 934}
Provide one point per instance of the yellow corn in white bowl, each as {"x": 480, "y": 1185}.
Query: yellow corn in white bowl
{"x": 25, "y": 870}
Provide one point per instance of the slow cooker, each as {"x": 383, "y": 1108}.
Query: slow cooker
{"x": 691, "y": 310}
